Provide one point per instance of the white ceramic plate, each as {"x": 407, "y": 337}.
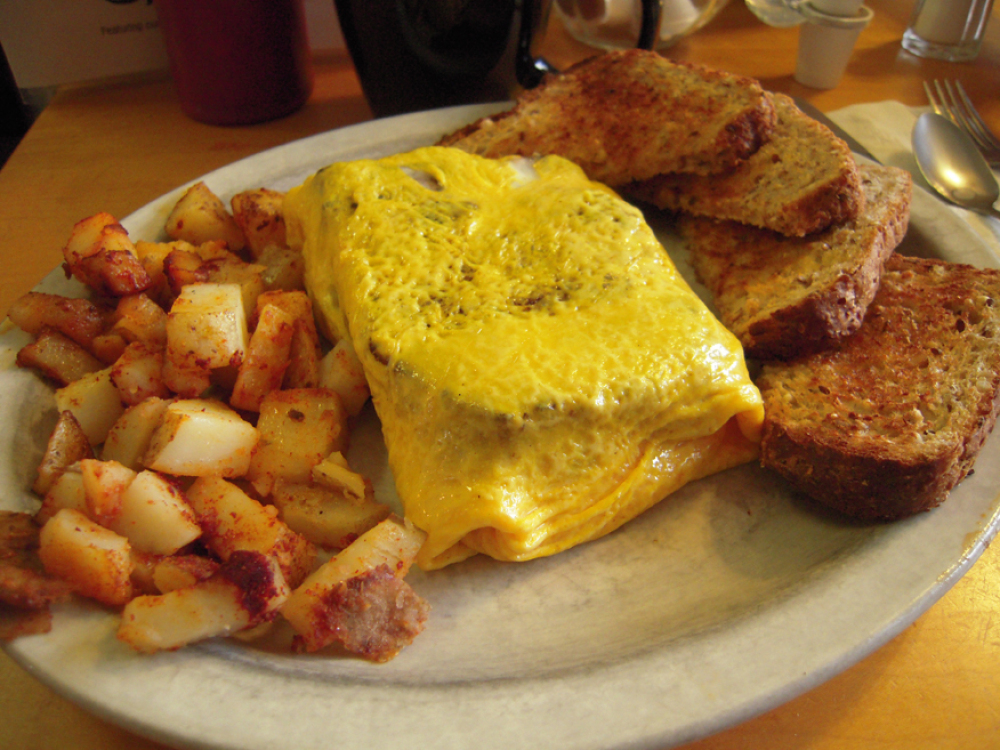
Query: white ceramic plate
{"x": 724, "y": 601}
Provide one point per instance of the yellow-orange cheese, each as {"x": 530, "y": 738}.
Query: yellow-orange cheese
{"x": 542, "y": 372}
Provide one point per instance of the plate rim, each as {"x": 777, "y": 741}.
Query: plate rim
{"x": 501, "y": 697}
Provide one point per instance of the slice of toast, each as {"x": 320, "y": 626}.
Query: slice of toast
{"x": 886, "y": 425}
{"x": 629, "y": 115}
{"x": 785, "y": 296}
{"x": 803, "y": 180}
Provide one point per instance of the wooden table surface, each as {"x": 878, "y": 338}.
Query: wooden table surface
{"x": 115, "y": 146}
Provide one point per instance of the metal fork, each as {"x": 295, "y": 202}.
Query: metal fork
{"x": 950, "y": 100}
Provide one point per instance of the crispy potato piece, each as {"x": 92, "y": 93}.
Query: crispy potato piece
{"x": 295, "y": 303}
{"x": 334, "y": 474}
{"x": 261, "y": 217}
{"x": 100, "y": 254}
{"x": 187, "y": 382}
{"x": 244, "y": 592}
{"x": 232, "y": 520}
{"x": 200, "y": 216}
{"x": 66, "y": 492}
{"x": 91, "y": 558}
{"x": 108, "y": 346}
{"x": 94, "y": 402}
{"x": 139, "y": 319}
{"x": 207, "y": 327}
{"x": 23, "y": 582}
{"x": 266, "y": 360}
{"x": 284, "y": 269}
{"x": 57, "y": 357}
{"x": 138, "y": 374}
{"x": 201, "y": 437}
{"x": 393, "y": 543}
{"x": 182, "y": 571}
{"x": 154, "y": 515}
{"x": 298, "y": 429}
{"x": 67, "y": 444}
{"x": 79, "y": 319}
{"x": 303, "y": 358}
{"x": 104, "y": 483}
{"x": 340, "y": 370}
{"x": 130, "y": 435}
{"x": 325, "y": 516}
{"x": 143, "y": 566}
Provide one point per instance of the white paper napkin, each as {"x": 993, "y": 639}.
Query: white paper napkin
{"x": 884, "y": 128}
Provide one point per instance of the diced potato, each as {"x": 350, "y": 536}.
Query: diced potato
{"x": 67, "y": 444}
{"x": 207, "y": 327}
{"x": 201, "y": 437}
{"x": 200, "y": 216}
{"x": 182, "y": 571}
{"x": 340, "y": 370}
{"x": 140, "y": 319}
{"x": 93, "y": 559}
{"x": 154, "y": 515}
{"x": 324, "y": 516}
{"x": 334, "y": 474}
{"x": 154, "y": 255}
{"x": 303, "y": 358}
{"x": 232, "y": 520}
{"x": 184, "y": 266}
{"x": 108, "y": 346}
{"x": 66, "y": 492}
{"x": 187, "y": 382}
{"x": 58, "y": 357}
{"x": 394, "y": 542}
{"x": 104, "y": 483}
{"x": 129, "y": 437}
{"x": 143, "y": 566}
{"x": 266, "y": 360}
{"x": 298, "y": 429}
{"x": 79, "y": 319}
{"x": 232, "y": 270}
{"x": 261, "y": 217}
{"x": 295, "y": 303}
{"x": 245, "y": 591}
{"x": 284, "y": 269}
{"x": 138, "y": 374}
{"x": 94, "y": 402}
{"x": 100, "y": 254}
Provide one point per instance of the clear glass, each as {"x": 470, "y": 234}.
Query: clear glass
{"x": 947, "y": 29}
{"x": 614, "y": 24}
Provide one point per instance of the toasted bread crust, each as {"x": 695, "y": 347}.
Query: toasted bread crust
{"x": 785, "y": 296}
{"x": 681, "y": 118}
{"x": 803, "y": 180}
{"x": 886, "y": 425}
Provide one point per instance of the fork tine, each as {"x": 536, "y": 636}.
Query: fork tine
{"x": 968, "y": 124}
{"x": 974, "y": 117}
{"x": 944, "y": 102}
{"x": 932, "y": 99}
{"x": 942, "y": 99}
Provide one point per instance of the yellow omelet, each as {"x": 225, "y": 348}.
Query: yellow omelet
{"x": 542, "y": 372}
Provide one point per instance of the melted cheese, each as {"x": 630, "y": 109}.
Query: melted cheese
{"x": 542, "y": 372}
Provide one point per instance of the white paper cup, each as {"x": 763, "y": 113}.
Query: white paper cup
{"x": 825, "y": 45}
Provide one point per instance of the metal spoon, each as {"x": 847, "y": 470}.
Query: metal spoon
{"x": 953, "y": 166}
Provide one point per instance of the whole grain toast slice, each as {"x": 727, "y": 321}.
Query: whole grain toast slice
{"x": 629, "y": 115}
{"x": 886, "y": 425}
{"x": 785, "y": 296}
{"x": 803, "y": 180}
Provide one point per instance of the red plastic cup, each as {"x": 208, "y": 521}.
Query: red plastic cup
{"x": 236, "y": 62}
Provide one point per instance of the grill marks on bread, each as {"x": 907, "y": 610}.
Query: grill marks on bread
{"x": 630, "y": 115}
{"x": 888, "y": 423}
